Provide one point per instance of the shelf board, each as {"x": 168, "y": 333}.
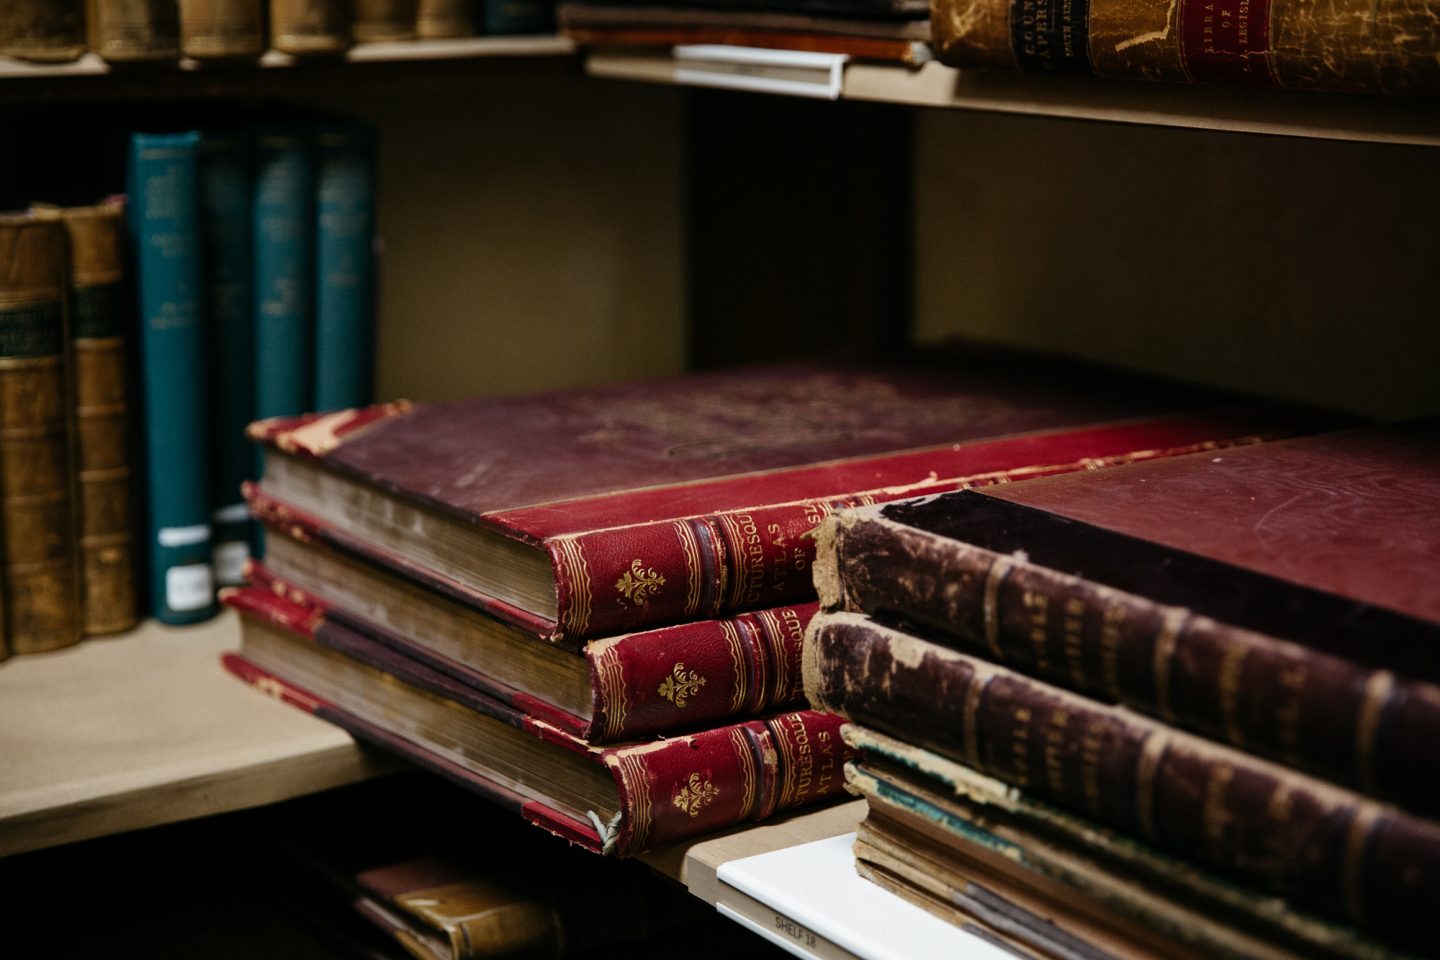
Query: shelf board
{"x": 146, "y": 728}
{"x": 1368, "y": 119}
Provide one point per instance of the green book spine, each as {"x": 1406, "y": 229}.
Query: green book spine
{"x": 165, "y": 222}
{"x": 344, "y": 268}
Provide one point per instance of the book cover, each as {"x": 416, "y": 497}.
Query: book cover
{"x": 100, "y": 331}
{"x": 1327, "y": 848}
{"x": 1348, "y": 45}
{"x": 617, "y": 800}
{"x": 222, "y": 29}
{"x": 344, "y": 266}
{"x": 165, "y": 227}
{"x": 41, "y": 581}
{"x": 384, "y": 20}
{"x": 595, "y": 512}
{"x": 45, "y": 31}
{"x": 439, "y": 19}
{"x": 129, "y": 30}
{"x": 1279, "y": 598}
{"x": 227, "y": 257}
{"x": 283, "y": 291}
{"x": 502, "y": 17}
{"x": 310, "y": 27}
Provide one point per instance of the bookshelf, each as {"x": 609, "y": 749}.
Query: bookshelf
{"x": 541, "y": 225}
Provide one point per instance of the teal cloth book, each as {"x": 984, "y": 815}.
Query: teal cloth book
{"x": 226, "y": 245}
{"x": 283, "y": 270}
{"x": 518, "y": 16}
{"x": 165, "y": 217}
{"x": 344, "y": 266}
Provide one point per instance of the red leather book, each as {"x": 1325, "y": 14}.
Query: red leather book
{"x": 596, "y": 512}
{"x": 1280, "y": 597}
{"x": 616, "y": 800}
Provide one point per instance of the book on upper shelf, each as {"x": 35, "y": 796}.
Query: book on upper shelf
{"x": 222, "y": 29}
{"x": 45, "y": 31}
{"x": 384, "y": 20}
{"x": 1278, "y": 597}
{"x": 1349, "y": 45}
{"x": 596, "y": 512}
{"x": 125, "y": 31}
{"x": 310, "y": 27}
{"x": 617, "y": 800}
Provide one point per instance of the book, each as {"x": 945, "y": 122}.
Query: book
{"x": 222, "y": 29}
{"x": 940, "y": 816}
{"x": 438, "y": 19}
{"x": 501, "y": 17}
{"x": 227, "y": 259}
{"x": 344, "y": 352}
{"x": 911, "y": 52}
{"x": 1350, "y": 45}
{"x": 310, "y": 27}
{"x": 283, "y": 297}
{"x": 382, "y": 20}
{"x": 122, "y": 31}
{"x": 41, "y": 605}
{"x": 616, "y": 800}
{"x": 45, "y": 31}
{"x": 595, "y": 512}
{"x": 1187, "y": 591}
{"x": 577, "y": 15}
{"x": 100, "y": 330}
{"x": 1334, "y": 851}
{"x": 684, "y": 677}
{"x": 165, "y": 229}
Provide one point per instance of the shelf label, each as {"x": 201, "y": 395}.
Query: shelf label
{"x": 796, "y": 73}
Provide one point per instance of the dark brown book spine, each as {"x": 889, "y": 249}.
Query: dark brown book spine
{"x": 1319, "y": 844}
{"x": 379, "y": 20}
{"x": 126, "y": 30}
{"x": 222, "y": 29}
{"x": 45, "y": 31}
{"x": 42, "y": 608}
{"x": 1328, "y": 715}
{"x": 99, "y": 332}
{"x": 438, "y": 19}
{"x": 310, "y": 27}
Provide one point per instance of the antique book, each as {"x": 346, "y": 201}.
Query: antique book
{"x": 222, "y": 29}
{"x": 954, "y": 819}
{"x": 683, "y": 677}
{"x": 284, "y": 270}
{"x": 438, "y": 19}
{"x": 911, "y": 52}
{"x": 100, "y": 331}
{"x": 600, "y": 511}
{"x": 617, "y": 800}
{"x": 45, "y": 31}
{"x": 41, "y": 581}
{"x": 382, "y": 20}
{"x": 576, "y": 15}
{"x": 310, "y": 27}
{"x": 165, "y": 225}
{"x": 1327, "y": 848}
{"x": 1280, "y": 598}
{"x": 1350, "y": 45}
{"x": 227, "y": 260}
{"x": 127, "y": 30}
{"x": 344, "y": 352}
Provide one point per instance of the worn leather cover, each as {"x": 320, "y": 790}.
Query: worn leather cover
{"x": 1276, "y": 597}
{"x": 669, "y": 789}
{"x": 222, "y": 29}
{"x": 1390, "y": 46}
{"x": 310, "y": 27}
{"x": 126, "y": 30}
{"x": 690, "y": 498}
{"x": 1326, "y": 847}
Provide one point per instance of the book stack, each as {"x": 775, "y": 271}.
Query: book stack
{"x": 1181, "y": 707}
{"x": 896, "y": 31}
{"x": 588, "y": 605}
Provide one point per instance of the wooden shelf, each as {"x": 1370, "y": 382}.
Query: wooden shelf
{"x": 146, "y": 728}
{"x": 1368, "y": 119}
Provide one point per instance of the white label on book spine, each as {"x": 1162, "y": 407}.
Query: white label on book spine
{"x": 230, "y": 557}
{"x": 796, "y": 73}
{"x": 189, "y": 587}
{"x": 182, "y": 536}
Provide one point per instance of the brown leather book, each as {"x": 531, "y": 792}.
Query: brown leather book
{"x": 437, "y": 19}
{"x": 98, "y": 338}
{"x": 126, "y": 30}
{"x": 381, "y": 20}
{"x": 1355, "y": 45}
{"x": 46, "y": 31}
{"x": 310, "y": 27}
{"x": 222, "y": 29}
{"x": 42, "y": 597}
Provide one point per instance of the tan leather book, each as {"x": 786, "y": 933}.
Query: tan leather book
{"x": 46, "y": 31}
{"x": 435, "y": 19}
{"x": 222, "y": 29}
{"x": 128, "y": 30}
{"x": 377, "y": 20}
{"x": 42, "y": 608}
{"x": 310, "y": 27}
{"x": 98, "y": 338}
